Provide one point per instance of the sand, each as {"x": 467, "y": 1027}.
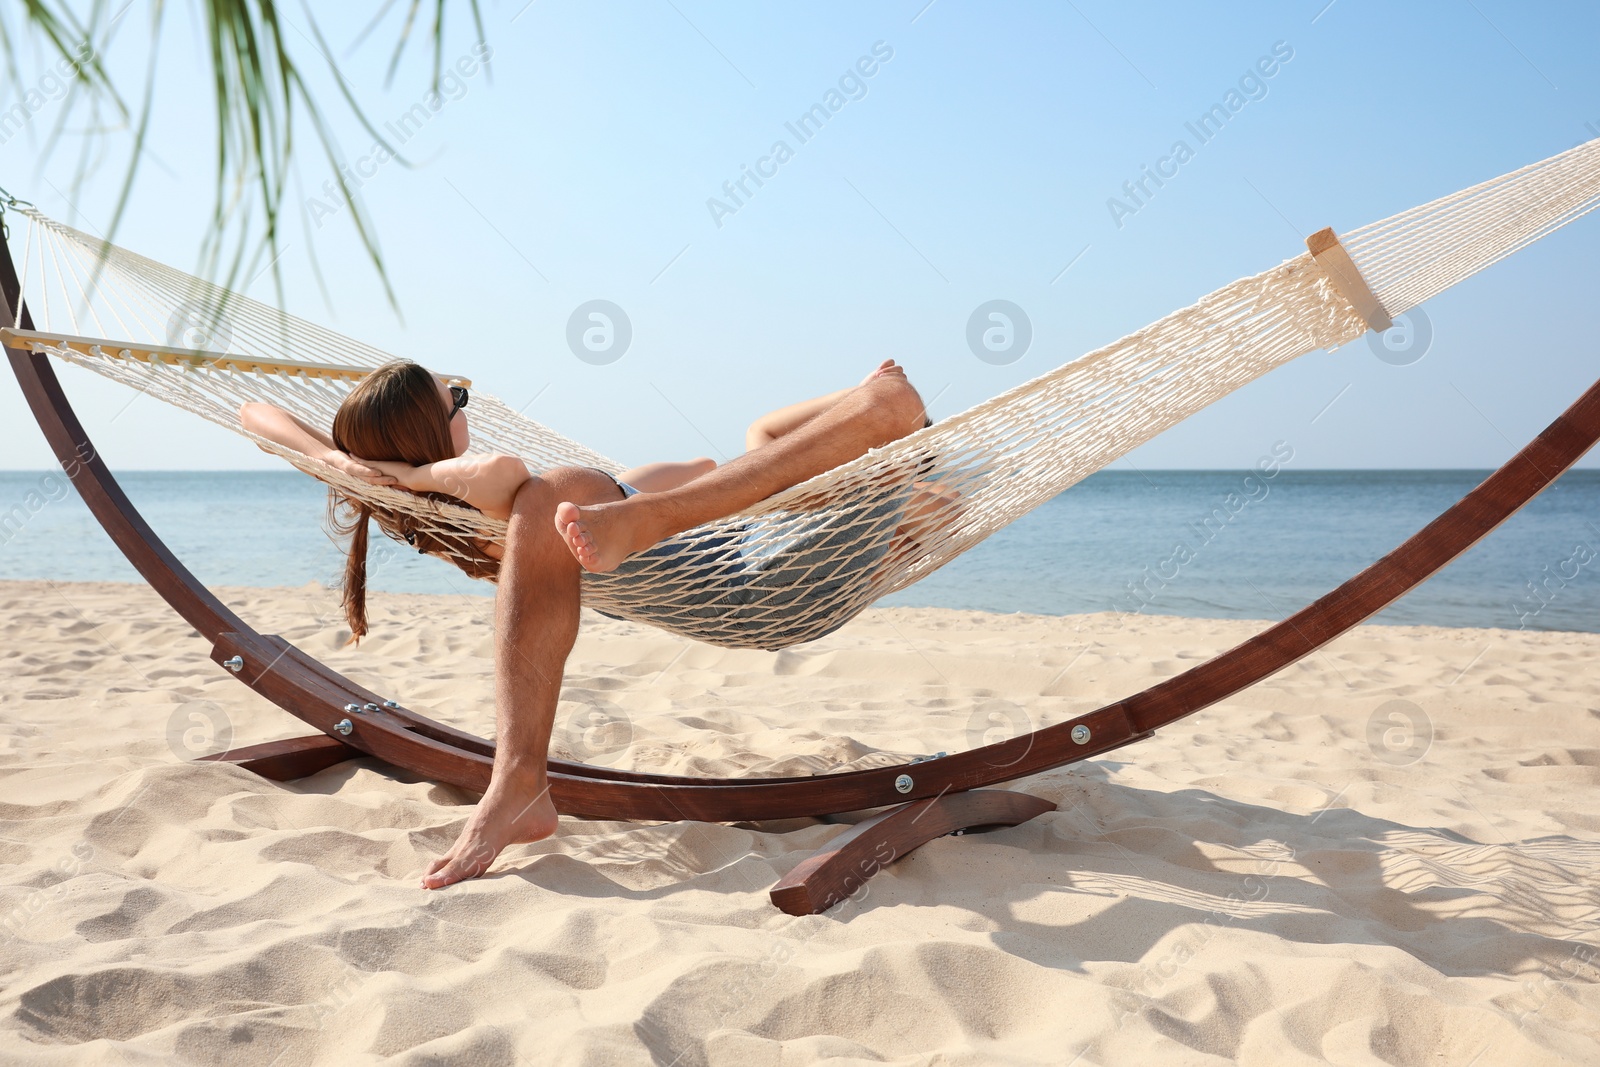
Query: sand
{"x": 1271, "y": 881}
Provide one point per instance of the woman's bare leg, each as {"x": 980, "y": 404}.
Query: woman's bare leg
{"x": 773, "y": 425}
{"x": 659, "y": 477}
{"x": 536, "y": 622}
{"x": 768, "y": 428}
{"x": 882, "y": 409}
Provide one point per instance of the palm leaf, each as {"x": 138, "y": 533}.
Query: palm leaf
{"x": 260, "y": 96}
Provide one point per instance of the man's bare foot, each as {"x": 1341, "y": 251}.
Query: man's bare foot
{"x": 509, "y": 814}
{"x": 603, "y": 535}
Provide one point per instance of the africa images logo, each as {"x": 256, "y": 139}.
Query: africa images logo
{"x": 852, "y": 85}
{"x": 1252, "y": 85}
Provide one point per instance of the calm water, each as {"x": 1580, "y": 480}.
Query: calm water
{"x": 1110, "y": 543}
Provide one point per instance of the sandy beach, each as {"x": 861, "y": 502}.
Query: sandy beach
{"x": 1385, "y": 854}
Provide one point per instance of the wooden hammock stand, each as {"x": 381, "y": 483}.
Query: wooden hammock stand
{"x": 926, "y": 799}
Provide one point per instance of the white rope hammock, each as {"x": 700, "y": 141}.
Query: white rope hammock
{"x": 802, "y": 563}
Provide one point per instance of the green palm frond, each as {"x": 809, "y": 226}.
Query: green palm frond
{"x": 261, "y": 97}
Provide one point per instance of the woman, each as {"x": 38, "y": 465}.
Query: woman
{"x": 403, "y": 426}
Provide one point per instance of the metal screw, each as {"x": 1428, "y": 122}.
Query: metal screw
{"x": 390, "y": 704}
{"x": 234, "y": 663}
{"x": 343, "y": 726}
{"x": 1080, "y": 734}
{"x": 352, "y": 709}
{"x": 903, "y": 783}
{"x": 371, "y": 707}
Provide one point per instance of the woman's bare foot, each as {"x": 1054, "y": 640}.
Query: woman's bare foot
{"x": 888, "y": 366}
{"x": 511, "y": 813}
{"x": 603, "y": 535}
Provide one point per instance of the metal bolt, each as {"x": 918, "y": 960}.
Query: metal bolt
{"x": 352, "y": 709}
{"x": 390, "y": 704}
{"x": 1080, "y": 734}
{"x": 343, "y": 726}
{"x": 903, "y": 783}
{"x": 371, "y": 707}
{"x": 234, "y": 663}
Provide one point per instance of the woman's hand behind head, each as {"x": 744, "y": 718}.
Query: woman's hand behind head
{"x": 370, "y": 471}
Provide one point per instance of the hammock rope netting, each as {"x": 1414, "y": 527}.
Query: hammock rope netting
{"x": 803, "y": 562}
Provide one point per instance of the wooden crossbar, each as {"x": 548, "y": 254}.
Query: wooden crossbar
{"x": 40, "y": 341}
{"x": 1332, "y": 257}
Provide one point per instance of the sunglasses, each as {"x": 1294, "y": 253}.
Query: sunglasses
{"x": 458, "y": 398}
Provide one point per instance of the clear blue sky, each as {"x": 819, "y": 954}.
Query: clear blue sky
{"x": 976, "y": 164}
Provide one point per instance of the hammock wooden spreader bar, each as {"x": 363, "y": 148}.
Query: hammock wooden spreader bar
{"x": 42, "y": 341}
{"x": 1331, "y": 256}
{"x": 928, "y": 798}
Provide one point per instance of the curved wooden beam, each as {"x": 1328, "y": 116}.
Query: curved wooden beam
{"x": 110, "y": 505}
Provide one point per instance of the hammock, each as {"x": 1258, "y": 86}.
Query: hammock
{"x": 802, "y": 563}
{"x": 999, "y": 455}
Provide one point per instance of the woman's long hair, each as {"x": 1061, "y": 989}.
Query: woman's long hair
{"x": 395, "y": 413}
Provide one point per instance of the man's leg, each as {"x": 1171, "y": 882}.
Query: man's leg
{"x": 536, "y": 622}
{"x": 882, "y": 409}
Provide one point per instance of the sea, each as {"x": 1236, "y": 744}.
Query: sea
{"x": 1206, "y": 544}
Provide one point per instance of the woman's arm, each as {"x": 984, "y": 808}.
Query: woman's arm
{"x": 487, "y": 482}
{"x": 291, "y": 431}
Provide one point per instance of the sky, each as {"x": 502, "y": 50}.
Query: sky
{"x": 977, "y": 153}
